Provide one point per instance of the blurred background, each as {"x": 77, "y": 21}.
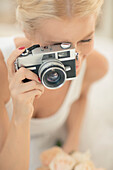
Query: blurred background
{"x": 97, "y": 129}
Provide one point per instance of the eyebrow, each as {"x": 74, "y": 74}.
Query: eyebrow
{"x": 55, "y": 42}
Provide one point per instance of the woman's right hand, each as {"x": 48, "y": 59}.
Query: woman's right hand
{"x": 23, "y": 94}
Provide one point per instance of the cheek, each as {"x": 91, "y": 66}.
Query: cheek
{"x": 85, "y": 49}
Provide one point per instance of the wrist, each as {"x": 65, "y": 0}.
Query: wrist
{"x": 71, "y": 144}
{"x": 21, "y": 119}
{"x": 69, "y": 148}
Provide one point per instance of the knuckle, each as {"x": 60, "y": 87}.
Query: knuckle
{"x": 42, "y": 88}
{"x": 22, "y": 70}
{"x": 39, "y": 92}
{"x": 34, "y": 83}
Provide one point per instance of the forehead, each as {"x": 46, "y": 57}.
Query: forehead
{"x": 71, "y": 30}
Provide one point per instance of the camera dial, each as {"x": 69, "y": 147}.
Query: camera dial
{"x": 65, "y": 45}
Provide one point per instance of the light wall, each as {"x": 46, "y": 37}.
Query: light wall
{"x": 106, "y": 25}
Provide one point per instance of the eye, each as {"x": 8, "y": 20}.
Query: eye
{"x": 84, "y": 41}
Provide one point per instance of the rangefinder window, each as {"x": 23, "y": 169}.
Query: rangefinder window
{"x": 64, "y": 54}
{"x": 48, "y": 56}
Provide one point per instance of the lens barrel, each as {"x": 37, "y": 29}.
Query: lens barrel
{"x": 52, "y": 73}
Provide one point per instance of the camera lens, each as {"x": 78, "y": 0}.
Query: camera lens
{"x": 52, "y": 74}
{"x": 53, "y": 77}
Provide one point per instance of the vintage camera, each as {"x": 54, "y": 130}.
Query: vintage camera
{"x": 53, "y": 64}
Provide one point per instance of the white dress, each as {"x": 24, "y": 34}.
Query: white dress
{"x": 44, "y": 132}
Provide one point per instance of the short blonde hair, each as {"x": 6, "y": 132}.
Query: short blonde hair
{"x": 30, "y": 13}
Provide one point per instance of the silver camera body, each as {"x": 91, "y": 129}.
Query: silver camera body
{"x": 53, "y": 64}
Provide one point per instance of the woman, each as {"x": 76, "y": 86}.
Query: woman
{"x": 34, "y": 107}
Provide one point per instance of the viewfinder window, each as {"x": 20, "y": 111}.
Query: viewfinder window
{"x": 48, "y": 56}
{"x": 64, "y": 54}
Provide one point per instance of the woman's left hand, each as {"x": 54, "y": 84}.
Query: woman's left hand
{"x": 70, "y": 146}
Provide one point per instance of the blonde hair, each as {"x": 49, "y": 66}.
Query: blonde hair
{"x": 30, "y": 13}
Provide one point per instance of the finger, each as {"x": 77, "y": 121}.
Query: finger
{"x": 23, "y": 73}
{"x": 11, "y": 60}
{"x": 32, "y": 85}
{"x": 31, "y": 94}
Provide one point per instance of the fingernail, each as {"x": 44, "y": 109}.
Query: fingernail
{"x": 21, "y": 48}
{"x": 39, "y": 79}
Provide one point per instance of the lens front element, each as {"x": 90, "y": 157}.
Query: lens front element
{"x": 52, "y": 74}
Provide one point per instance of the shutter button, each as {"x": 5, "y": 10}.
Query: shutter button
{"x": 65, "y": 45}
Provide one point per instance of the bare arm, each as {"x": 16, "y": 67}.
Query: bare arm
{"x": 14, "y": 153}
{"x": 14, "y": 138}
{"x": 74, "y": 123}
{"x": 4, "y": 124}
{"x": 4, "y": 92}
{"x": 4, "y": 120}
{"x": 97, "y": 67}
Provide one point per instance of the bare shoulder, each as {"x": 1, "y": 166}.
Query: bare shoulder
{"x": 97, "y": 67}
